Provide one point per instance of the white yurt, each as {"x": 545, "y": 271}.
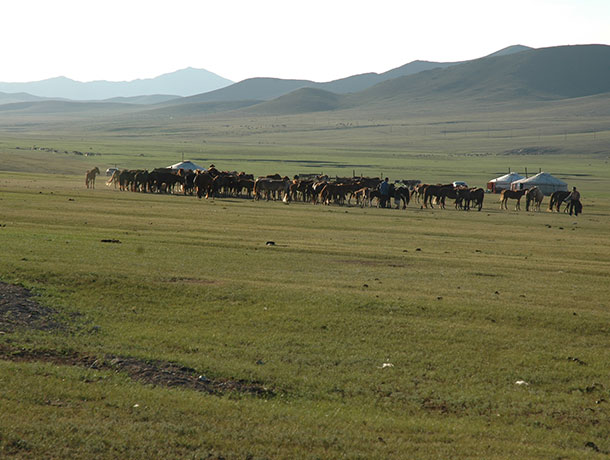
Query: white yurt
{"x": 503, "y": 182}
{"x": 189, "y": 165}
{"x": 544, "y": 181}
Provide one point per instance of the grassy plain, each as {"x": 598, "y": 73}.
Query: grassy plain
{"x": 380, "y": 333}
{"x": 490, "y": 298}
{"x": 455, "y": 141}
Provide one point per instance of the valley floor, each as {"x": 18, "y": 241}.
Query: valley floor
{"x": 149, "y": 325}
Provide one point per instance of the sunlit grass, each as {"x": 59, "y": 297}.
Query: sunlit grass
{"x": 462, "y": 305}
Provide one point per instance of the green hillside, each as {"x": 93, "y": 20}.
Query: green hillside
{"x": 250, "y": 89}
{"x": 550, "y": 73}
{"x": 515, "y": 75}
{"x": 304, "y": 100}
{"x": 66, "y": 107}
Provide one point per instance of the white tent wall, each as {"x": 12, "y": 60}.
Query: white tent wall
{"x": 186, "y": 165}
{"x": 503, "y": 182}
{"x": 544, "y": 181}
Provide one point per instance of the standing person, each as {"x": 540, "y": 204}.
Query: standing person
{"x": 574, "y": 201}
{"x": 384, "y": 193}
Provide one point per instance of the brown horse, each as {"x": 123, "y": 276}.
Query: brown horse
{"x": 363, "y": 196}
{"x": 556, "y": 199}
{"x": 511, "y": 194}
{"x": 439, "y": 192}
{"x": 90, "y": 177}
{"x": 466, "y": 197}
{"x": 419, "y": 191}
{"x": 203, "y": 184}
{"x": 534, "y": 195}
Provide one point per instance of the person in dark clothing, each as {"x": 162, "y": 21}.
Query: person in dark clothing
{"x": 573, "y": 199}
{"x": 384, "y": 193}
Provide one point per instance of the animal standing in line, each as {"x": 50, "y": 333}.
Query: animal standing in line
{"x": 90, "y": 177}
{"x": 511, "y": 194}
{"x": 557, "y": 199}
{"x": 533, "y": 195}
{"x": 470, "y": 196}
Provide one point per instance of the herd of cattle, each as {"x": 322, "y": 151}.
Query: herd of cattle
{"x": 314, "y": 189}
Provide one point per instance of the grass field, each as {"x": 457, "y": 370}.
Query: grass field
{"x": 165, "y": 326}
{"x": 375, "y": 333}
{"x": 566, "y": 138}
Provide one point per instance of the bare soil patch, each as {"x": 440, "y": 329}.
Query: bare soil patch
{"x": 19, "y": 310}
{"x": 186, "y": 280}
{"x": 371, "y": 263}
{"x": 155, "y": 372}
{"x": 532, "y": 151}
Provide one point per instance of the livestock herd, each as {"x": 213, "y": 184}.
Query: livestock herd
{"x": 365, "y": 191}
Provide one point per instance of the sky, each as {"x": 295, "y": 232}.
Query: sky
{"x": 316, "y": 40}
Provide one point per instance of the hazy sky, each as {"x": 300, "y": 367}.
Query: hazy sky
{"x": 237, "y": 39}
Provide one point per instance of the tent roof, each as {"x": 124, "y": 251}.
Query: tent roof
{"x": 185, "y": 165}
{"x": 542, "y": 178}
{"x": 510, "y": 177}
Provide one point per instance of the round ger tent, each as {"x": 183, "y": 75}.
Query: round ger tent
{"x": 503, "y": 182}
{"x": 544, "y": 181}
{"x": 189, "y": 165}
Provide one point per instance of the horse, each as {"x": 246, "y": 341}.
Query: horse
{"x": 402, "y": 195}
{"x": 203, "y": 184}
{"x": 363, "y": 196}
{"x": 140, "y": 181}
{"x": 418, "y": 191}
{"x": 189, "y": 180}
{"x": 556, "y": 200}
{"x": 90, "y": 177}
{"x": 440, "y": 192}
{"x": 245, "y": 184}
{"x": 334, "y": 192}
{"x": 268, "y": 188}
{"x": 467, "y": 196}
{"x": 515, "y": 195}
{"x": 533, "y": 194}
{"x": 114, "y": 179}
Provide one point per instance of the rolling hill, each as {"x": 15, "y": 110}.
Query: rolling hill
{"x": 183, "y": 82}
{"x": 531, "y": 75}
{"x": 270, "y": 88}
{"x": 11, "y": 98}
{"x": 540, "y": 74}
{"x": 514, "y": 75}
{"x": 144, "y": 99}
{"x": 173, "y": 89}
{"x": 303, "y": 100}
{"x": 57, "y": 107}
{"x": 250, "y": 89}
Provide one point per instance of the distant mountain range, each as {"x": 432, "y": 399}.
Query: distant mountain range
{"x": 264, "y": 89}
{"x": 183, "y": 82}
{"x": 200, "y": 84}
{"x": 514, "y": 74}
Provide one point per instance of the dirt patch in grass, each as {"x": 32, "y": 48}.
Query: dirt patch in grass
{"x": 193, "y": 281}
{"x": 532, "y": 151}
{"x": 155, "y": 372}
{"x": 18, "y": 310}
{"x": 371, "y": 263}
